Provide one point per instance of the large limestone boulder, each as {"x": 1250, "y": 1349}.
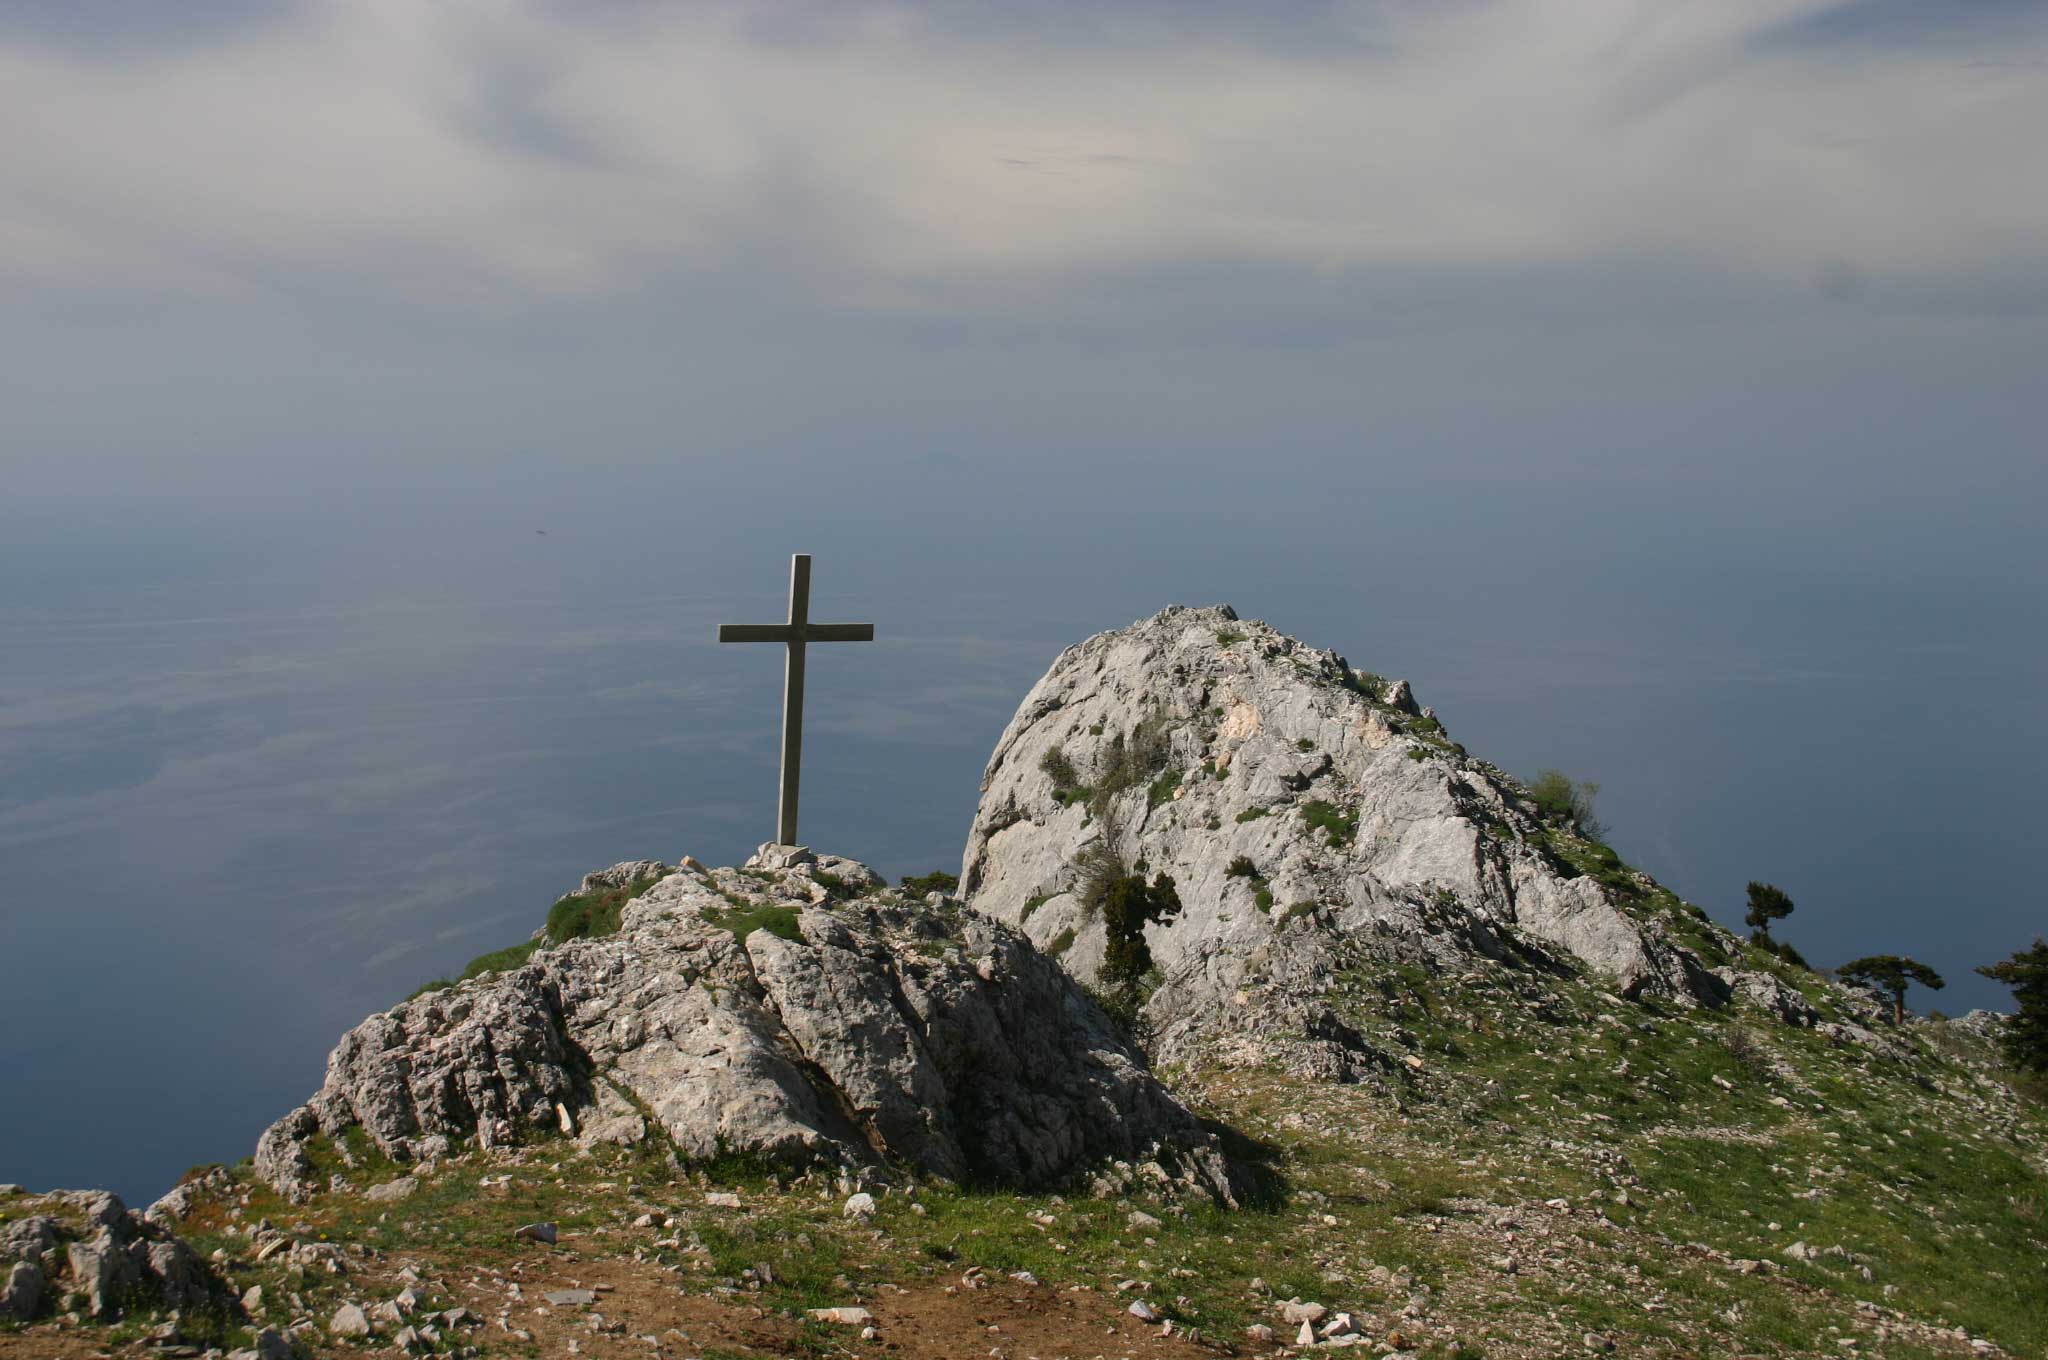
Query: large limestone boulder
{"x": 88, "y": 1244}
{"x": 794, "y": 1010}
{"x": 1193, "y": 743}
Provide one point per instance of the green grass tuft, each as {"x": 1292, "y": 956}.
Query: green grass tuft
{"x": 1340, "y": 826}
{"x": 744, "y": 921}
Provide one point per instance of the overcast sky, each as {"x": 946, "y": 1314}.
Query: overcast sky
{"x": 1659, "y": 386}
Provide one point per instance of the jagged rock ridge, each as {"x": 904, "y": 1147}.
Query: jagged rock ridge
{"x": 1194, "y": 740}
{"x": 794, "y": 1010}
{"x": 87, "y": 1244}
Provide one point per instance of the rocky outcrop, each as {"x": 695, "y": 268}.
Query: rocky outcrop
{"x": 1305, "y": 811}
{"x": 793, "y": 1010}
{"x": 87, "y": 1243}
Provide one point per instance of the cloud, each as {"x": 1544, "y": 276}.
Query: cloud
{"x": 890, "y": 156}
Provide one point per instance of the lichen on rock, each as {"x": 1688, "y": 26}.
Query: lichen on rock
{"x": 793, "y": 1010}
{"x": 1364, "y": 826}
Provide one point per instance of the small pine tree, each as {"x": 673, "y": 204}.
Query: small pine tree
{"x": 1127, "y": 907}
{"x": 2026, "y": 1034}
{"x": 1891, "y": 974}
{"x": 1766, "y": 904}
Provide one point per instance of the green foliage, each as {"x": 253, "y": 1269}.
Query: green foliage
{"x": 1060, "y": 943}
{"x": 743, "y": 921}
{"x": 1253, "y": 814}
{"x": 1766, "y": 904}
{"x": 1033, "y": 905}
{"x": 1296, "y": 910}
{"x": 588, "y": 916}
{"x": 1304, "y": 744}
{"x": 1228, "y": 637}
{"x": 2025, "y": 1038}
{"x": 1096, "y": 866}
{"x": 1059, "y": 769}
{"x": 1890, "y": 974}
{"x": 575, "y": 917}
{"x": 1162, "y": 789}
{"x": 1563, "y": 801}
{"x": 1263, "y": 898}
{"x": 1340, "y": 826}
{"x": 1132, "y": 759}
{"x": 1242, "y": 867}
{"x": 1781, "y": 949}
{"x": 938, "y": 880}
{"x": 1365, "y": 683}
{"x": 1418, "y": 754}
{"x": 497, "y": 961}
{"x": 1128, "y": 905}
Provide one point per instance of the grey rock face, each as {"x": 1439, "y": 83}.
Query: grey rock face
{"x": 1366, "y": 827}
{"x": 22, "y": 1291}
{"x": 841, "y": 1024}
{"x": 88, "y": 1242}
{"x": 1768, "y": 993}
{"x": 349, "y": 1320}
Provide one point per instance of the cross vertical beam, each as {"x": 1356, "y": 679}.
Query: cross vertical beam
{"x": 794, "y": 634}
{"x": 793, "y": 698}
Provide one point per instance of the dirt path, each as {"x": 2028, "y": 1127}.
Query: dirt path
{"x": 635, "y": 1302}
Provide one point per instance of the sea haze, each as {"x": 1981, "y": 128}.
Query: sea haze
{"x": 259, "y": 784}
{"x": 395, "y": 398}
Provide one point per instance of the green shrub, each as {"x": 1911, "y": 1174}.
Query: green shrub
{"x": 1341, "y": 827}
{"x": 1242, "y": 867}
{"x": 1096, "y": 866}
{"x": 938, "y": 880}
{"x": 1253, "y": 814}
{"x": 1228, "y": 637}
{"x": 1264, "y": 898}
{"x": 1162, "y": 789}
{"x": 1564, "y": 802}
{"x": 1132, "y": 759}
{"x": 592, "y": 915}
{"x": 1128, "y": 906}
{"x": 1059, "y": 769}
{"x": 1781, "y": 949}
{"x": 1296, "y": 910}
{"x": 743, "y": 921}
{"x": 1304, "y": 744}
{"x": 1061, "y": 943}
{"x": 1033, "y": 905}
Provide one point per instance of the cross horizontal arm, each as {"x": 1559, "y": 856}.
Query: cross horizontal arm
{"x": 785, "y": 632}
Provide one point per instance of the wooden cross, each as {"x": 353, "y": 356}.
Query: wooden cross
{"x": 798, "y": 631}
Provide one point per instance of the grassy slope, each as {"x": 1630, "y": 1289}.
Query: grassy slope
{"x": 1561, "y": 1164}
{"x": 1412, "y": 1200}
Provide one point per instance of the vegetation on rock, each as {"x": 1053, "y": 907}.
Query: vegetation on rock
{"x": 1890, "y": 974}
{"x": 938, "y": 880}
{"x": 2025, "y": 1035}
{"x": 1564, "y": 801}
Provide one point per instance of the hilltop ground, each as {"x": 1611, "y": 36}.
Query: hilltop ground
{"x": 1558, "y": 1172}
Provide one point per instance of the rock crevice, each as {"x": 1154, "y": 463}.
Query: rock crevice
{"x": 1298, "y": 804}
{"x": 843, "y": 1023}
